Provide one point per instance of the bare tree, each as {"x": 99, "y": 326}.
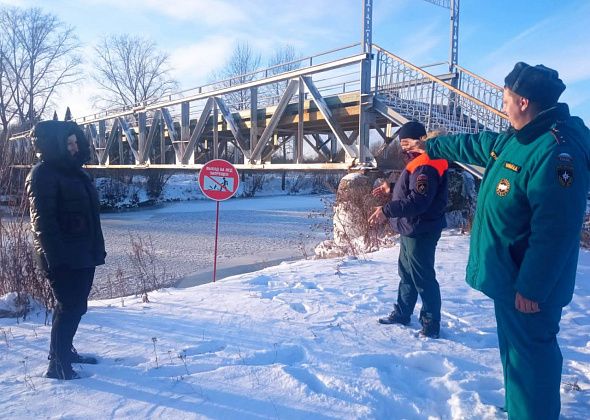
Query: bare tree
{"x": 7, "y": 107}
{"x": 238, "y": 70}
{"x": 39, "y": 54}
{"x": 131, "y": 70}
{"x": 282, "y": 60}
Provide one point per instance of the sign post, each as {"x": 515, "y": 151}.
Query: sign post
{"x": 219, "y": 181}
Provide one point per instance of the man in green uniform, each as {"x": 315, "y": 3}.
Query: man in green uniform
{"x": 526, "y": 231}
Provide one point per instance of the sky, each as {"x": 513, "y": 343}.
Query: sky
{"x": 296, "y": 341}
{"x": 199, "y": 34}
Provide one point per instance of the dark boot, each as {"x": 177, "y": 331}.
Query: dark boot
{"x": 430, "y": 328}
{"x": 75, "y": 357}
{"x": 60, "y": 370}
{"x": 395, "y": 318}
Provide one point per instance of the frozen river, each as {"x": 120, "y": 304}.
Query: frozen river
{"x": 253, "y": 233}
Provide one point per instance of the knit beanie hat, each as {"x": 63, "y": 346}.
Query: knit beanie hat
{"x": 538, "y": 84}
{"x": 412, "y": 130}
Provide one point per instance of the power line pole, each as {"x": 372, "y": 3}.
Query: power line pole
{"x": 454, "y": 50}
{"x": 453, "y": 6}
{"x": 365, "y": 82}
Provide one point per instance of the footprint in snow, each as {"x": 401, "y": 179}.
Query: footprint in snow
{"x": 299, "y": 307}
{"x": 212, "y": 346}
{"x": 304, "y": 376}
{"x": 305, "y": 285}
{"x": 282, "y": 354}
{"x": 260, "y": 280}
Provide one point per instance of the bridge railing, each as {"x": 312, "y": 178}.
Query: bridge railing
{"x": 265, "y": 98}
{"x": 418, "y": 94}
{"x": 480, "y": 88}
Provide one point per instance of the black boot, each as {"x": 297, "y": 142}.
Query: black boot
{"x": 430, "y": 328}
{"x": 60, "y": 370}
{"x": 75, "y": 357}
{"x": 395, "y": 318}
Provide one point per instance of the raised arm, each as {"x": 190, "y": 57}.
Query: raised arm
{"x": 474, "y": 149}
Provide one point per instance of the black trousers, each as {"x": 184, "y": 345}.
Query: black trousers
{"x": 71, "y": 289}
{"x": 416, "y": 271}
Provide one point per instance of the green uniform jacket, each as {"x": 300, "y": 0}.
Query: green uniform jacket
{"x": 531, "y": 205}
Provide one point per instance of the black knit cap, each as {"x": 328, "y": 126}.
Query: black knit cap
{"x": 412, "y": 130}
{"x": 538, "y": 84}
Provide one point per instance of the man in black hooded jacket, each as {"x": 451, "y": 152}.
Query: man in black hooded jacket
{"x": 66, "y": 230}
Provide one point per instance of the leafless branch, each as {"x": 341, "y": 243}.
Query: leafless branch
{"x": 38, "y": 55}
{"x": 130, "y": 70}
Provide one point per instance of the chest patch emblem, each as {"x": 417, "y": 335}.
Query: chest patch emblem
{"x": 512, "y": 166}
{"x": 503, "y": 187}
{"x": 564, "y": 157}
{"x": 422, "y": 184}
{"x": 565, "y": 175}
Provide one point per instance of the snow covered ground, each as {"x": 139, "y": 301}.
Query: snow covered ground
{"x": 298, "y": 340}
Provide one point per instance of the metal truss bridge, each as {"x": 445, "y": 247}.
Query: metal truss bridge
{"x": 324, "y": 110}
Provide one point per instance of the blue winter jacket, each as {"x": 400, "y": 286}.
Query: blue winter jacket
{"x": 419, "y": 197}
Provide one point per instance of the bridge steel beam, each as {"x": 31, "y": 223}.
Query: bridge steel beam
{"x": 104, "y": 153}
{"x": 319, "y": 146}
{"x": 351, "y": 151}
{"x": 144, "y": 155}
{"x": 130, "y": 136}
{"x": 253, "y": 117}
{"x": 197, "y": 132}
{"x": 274, "y": 121}
{"x": 234, "y": 126}
{"x": 299, "y": 139}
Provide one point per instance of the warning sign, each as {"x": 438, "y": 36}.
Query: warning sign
{"x": 219, "y": 180}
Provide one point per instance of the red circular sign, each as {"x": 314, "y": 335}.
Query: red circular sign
{"x": 219, "y": 179}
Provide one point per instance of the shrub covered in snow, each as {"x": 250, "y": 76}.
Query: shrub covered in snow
{"x": 352, "y": 234}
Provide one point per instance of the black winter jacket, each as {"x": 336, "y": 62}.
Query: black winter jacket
{"x": 64, "y": 203}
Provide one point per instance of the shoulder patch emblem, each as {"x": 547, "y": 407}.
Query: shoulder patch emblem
{"x": 422, "y": 184}
{"x": 565, "y": 175}
{"x": 503, "y": 187}
{"x": 512, "y": 166}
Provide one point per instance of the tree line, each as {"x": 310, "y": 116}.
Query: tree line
{"x": 40, "y": 54}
